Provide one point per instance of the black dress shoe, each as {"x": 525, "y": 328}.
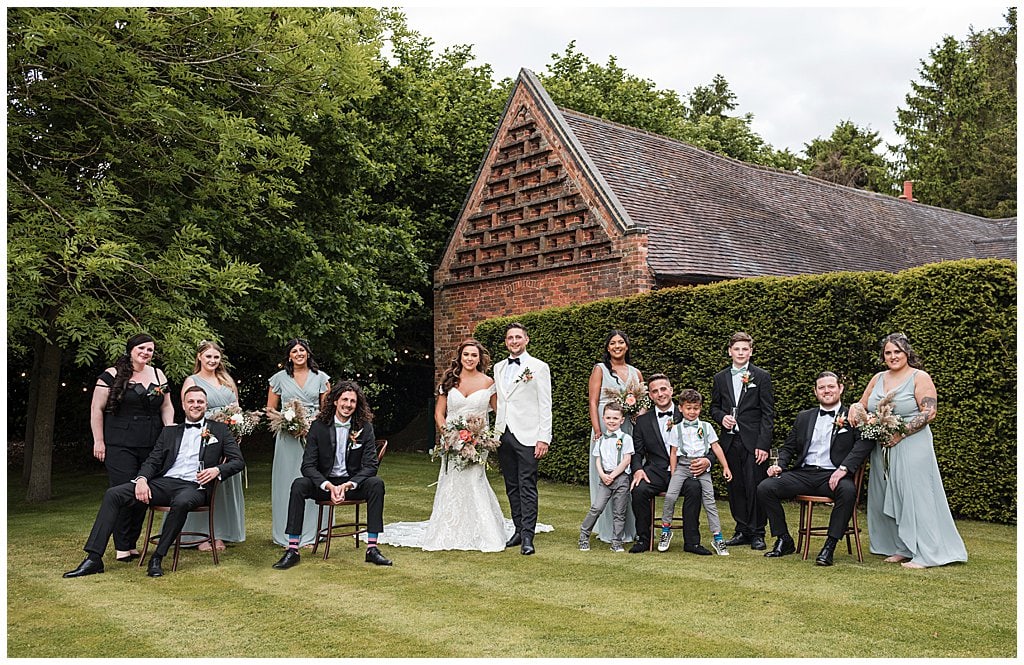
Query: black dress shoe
{"x": 738, "y": 539}
{"x": 514, "y": 540}
{"x": 374, "y": 556}
{"x": 783, "y": 545}
{"x": 757, "y": 543}
{"x": 527, "y": 547}
{"x": 87, "y": 567}
{"x": 290, "y": 558}
{"x": 825, "y": 555}
{"x": 639, "y": 547}
{"x": 697, "y": 549}
{"x": 154, "y": 569}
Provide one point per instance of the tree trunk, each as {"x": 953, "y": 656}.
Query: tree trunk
{"x": 47, "y": 380}
{"x": 33, "y": 401}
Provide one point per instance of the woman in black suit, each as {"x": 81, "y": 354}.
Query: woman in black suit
{"x": 130, "y": 405}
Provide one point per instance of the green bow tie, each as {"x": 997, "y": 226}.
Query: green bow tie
{"x": 338, "y": 425}
{"x": 736, "y": 371}
{"x": 690, "y": 423}
{"x": 611, "y": 436}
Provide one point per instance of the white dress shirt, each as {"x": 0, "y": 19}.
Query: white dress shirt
{"x": 186, "y": 464}
{"x": 820, "y": 448}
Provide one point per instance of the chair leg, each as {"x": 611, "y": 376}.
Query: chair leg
{"x": 355, "y": 536}
{"x": 213, "y": 538}
{"x": 856, "y": 537}
{"x": 330, "y": 531}
{"x": 807, "y": 539}
{"x": 802, "y": 528}
{"x": 177, "y": 551}
{"x": 319, "y": 531}
{"x": 145, "y": 543}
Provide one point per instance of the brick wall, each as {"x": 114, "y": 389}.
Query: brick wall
{"x": 533, "y": 234}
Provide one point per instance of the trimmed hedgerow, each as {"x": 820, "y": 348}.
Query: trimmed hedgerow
{"x": 959, "y": 315}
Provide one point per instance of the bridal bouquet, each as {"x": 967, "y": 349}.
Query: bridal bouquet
{"x": 879, "y": 425}
{"x": 633, "y": 397}
{"x": 465, "y": 441}
{"x": 293, "y": 419}
{"x": 238, "y": 421}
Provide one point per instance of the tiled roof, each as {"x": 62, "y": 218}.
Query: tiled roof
{"x": 709, "y": 216}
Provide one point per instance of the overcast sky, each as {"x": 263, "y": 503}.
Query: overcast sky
{"x": 799, "y": 70}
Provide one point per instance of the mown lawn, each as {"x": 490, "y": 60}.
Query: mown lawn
{"x": 557, "y": 603}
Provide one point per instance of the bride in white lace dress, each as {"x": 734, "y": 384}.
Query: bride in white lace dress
{"x": 466, "y": 514}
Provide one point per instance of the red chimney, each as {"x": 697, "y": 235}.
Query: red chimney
{"x": 908, "y": 191}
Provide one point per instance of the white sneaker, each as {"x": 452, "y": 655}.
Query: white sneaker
{"x": 584, "y": 544}
{"x": 617, "y": 548}
{"x": 720, "y": 547}
{"x": 664, "y": 540}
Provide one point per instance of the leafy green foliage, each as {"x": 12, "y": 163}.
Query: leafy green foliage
{"x": 960, "y": 124}
{"x": 848, "y": 158}
{"x": 960, "y": 316}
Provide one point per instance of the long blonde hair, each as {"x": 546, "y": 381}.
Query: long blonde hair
{"x": 222, "y": 374}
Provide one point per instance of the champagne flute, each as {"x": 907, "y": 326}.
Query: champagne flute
{"x": 736, "y": 425}
{"x": 202, "y": 466}
{"x": 773, "y": 457}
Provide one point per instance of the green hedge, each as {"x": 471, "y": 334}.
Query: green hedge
{"x": 961, "y": 317}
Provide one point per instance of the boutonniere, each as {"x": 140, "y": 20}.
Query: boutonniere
{"x": 747, "y": 380}
{"x": 840, "y": 422}
{"x": 354, "y": 437}
{"x": 207, "y": 437}
{"x": 157, "y": 390}
{"x": 526, "y": 376}
{"x": 669, "y": 425}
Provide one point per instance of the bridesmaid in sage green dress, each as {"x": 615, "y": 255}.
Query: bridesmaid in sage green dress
{"x": 612, "y": 373}
{"x": 229, "y": 514}
{"x": 908, "y": 515}
{"x": 301, "y": 379}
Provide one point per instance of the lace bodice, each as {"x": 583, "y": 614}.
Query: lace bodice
{"x": 461, "y": 406}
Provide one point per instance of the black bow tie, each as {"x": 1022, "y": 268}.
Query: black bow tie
{"x": 514, "y": 360}
{"x": 199, "y": 424}
{"x": 823, "y": 412}
{"x": 664, "y": 413}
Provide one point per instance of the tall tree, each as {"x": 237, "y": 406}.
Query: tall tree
{"x": 150, "y": 151}
{"x": 848, "y": 158}
{"x": 960, "y": 124}
{"x": 612, "y": 93}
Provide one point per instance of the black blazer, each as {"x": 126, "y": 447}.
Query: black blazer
{"x": 649, "y": 451}
{"x": 755, "y": 413}
{"x": 220, "y": 445}
{"x": 322, "y": 447}
{"x": 848, "y": 448}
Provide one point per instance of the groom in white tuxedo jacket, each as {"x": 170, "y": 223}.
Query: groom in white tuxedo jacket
{"x": 524, "y": 422}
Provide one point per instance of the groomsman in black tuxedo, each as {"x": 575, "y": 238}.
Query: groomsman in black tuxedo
{"x": 650, "y": 468}
{"x": 821, "y": 456}
{"x": 743, "y": 403}
{"x": 170, "y": 476}
{"x": 339, "y": 462}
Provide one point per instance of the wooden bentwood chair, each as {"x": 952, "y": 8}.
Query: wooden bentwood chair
{"x": 656, "y": 523}
{"x": 806, "y": 530}
{"x": 203, "y": 537}
{"x": 353, "y": 528}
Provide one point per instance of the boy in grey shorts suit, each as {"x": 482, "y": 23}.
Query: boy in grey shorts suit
{"x": 692, "y": 439}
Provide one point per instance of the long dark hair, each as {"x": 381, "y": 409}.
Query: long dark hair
{"x": 607, "y": 360}
{"x": 903, "y": 344}
{"x": 123, "y": 371}
{"x": 360, "y": 416}
{"x": 452, "y": 375}
{"x": 289, "y": 366}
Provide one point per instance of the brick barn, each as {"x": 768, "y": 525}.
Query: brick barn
{"x": 569, "y": 208}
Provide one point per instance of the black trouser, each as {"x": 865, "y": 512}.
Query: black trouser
{"x": 181, "y": 495}
{"x": 519, "y": 469}
{"x": 123, "y": 464}
{"x": 645, "y": 491}
{"x": 371, "y": 490}
{"x": 772, "y": 491}
{"x": 746, "y": 476}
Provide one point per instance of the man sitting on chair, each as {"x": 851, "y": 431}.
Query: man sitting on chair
{"x": 825, "y": 452}
{"x": 170, "y": 476}
{"x": 339, "y": 463}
